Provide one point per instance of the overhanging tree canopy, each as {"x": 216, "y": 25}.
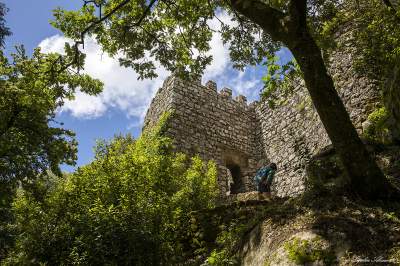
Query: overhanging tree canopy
{"x": 31, "y": 91}
{"x": 177, "y": 34}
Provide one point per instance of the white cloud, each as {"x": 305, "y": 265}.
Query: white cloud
{"x": 124, "y": 92}
{"x": 246, "y": 82}
{"x": 220, "y": 53}
{"x": 85, "y": 106}
{"x": 122, "y": 89}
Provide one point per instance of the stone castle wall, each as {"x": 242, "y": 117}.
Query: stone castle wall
{"x": 213, "y": 125}
{"x": 293, "y": 132}
{"x": 239, "y": 136}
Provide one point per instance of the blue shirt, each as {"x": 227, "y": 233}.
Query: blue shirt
{"x": 264, "y": 173}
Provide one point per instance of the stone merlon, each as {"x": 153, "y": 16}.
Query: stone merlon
{"x": 226, "y": 92}
{"x": 211, "y": 85}
{"x": 241, "y": 99}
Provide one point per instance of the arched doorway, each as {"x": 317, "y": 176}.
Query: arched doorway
{"x": 237, "y": 178}
{"x": 236, "y": 164}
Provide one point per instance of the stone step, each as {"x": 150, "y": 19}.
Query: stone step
{"x": 249, "y": 196}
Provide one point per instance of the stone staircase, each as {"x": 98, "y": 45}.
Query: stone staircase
{"x": 252, "y": 197}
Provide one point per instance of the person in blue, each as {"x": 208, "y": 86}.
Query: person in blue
{"x": 263, "y": 178}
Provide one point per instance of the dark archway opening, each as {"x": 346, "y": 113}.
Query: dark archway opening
{"x": 237, "y": 185}
{"x": 236, "y": 163}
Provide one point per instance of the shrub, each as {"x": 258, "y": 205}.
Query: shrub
{"x": 378, "y": 130}
{"x": 125, "y": 207}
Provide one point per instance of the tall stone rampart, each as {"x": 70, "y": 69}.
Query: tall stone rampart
{"x": 213, "y": 125}
{"x": 238, "y": 136}
{"x": 293, "y": 132}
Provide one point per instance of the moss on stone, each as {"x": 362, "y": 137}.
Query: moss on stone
{"x": 395, "y": 255}
{"x": 377, "y": 129}
{"x": 304, "y": 251}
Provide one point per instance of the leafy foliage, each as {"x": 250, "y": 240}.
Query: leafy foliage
{"x": 224, "y": 230}
{"x": 31, "y": 143}
{"x": 176, "y": 34}
{"x": 379, "y": 40}
{"x": 221, "y": 258}
{"x": 228, "y": 241}
{"x": 395, "y": 255}
{"x": 31, "y": 90}
{"x": 377, "y": 131}
{"x": 373, "y": 24}
{"x": 6, "y": 233}
{"x": 279, "y": 82}
{"x": 376, "y": 39}
{"x": 126, "y": 207}
{"x": 4, "y": 30}
{"x": 377, "y": 36}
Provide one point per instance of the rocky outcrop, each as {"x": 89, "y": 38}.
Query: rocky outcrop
{"x": 326, "y": 225}
{"x": 339, "y": 236}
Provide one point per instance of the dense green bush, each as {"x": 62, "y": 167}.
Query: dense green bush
{"x": 32, "y": 141}
{"x": 126, "y": 207}
{"x": 378, "y": 131}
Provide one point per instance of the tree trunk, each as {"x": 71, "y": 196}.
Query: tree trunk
{"x": 366, "y": 179}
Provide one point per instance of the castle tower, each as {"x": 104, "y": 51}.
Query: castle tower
{"x": 213, "y": 125}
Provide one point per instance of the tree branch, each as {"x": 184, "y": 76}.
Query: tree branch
{"x": 268, "y": 18}
{"x": 11, "y": 121}
{"x": 215, "y": 15}
{"x": 95, "y": 23}
{"x": 298, "y": 13}
{"x": 187, "y": 44}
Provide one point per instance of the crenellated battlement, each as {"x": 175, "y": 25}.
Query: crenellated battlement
{"x": 211, "y": 86}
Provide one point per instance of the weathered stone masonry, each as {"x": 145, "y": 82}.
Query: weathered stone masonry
{"x": 292, "y": 133}
{"x": 213, "y": 125}
{"x": 238, "y": 136}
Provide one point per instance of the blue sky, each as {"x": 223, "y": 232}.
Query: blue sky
{"x": 121, "y": 107}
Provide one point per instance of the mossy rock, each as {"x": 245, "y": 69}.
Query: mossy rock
{"x": 315, "y": 250}
{"x": 304, "y": 248}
